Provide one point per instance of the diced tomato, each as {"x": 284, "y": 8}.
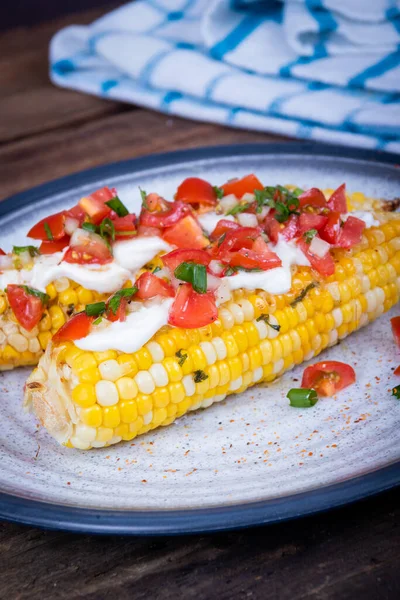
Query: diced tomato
{"x": 150, "y": 286}
{"x": 312, "y": 197}
{"x": 28, "y": 309}
{"x": 94, "y": 204}
{"x": 56, "y": 226}
{"x": 397, "y": 371}
{"x": 239, "y": 187}
{"x": 291, "y": 228}
{"x": 77, "y": 213}
{"x": 324, "y": 265}
{"x": 192, "y": 310}
{"x": 76, "y": 328}
{"x": 259, "y": 257}
{"x": 156, "y": 203}
{"x": 2, "y": 253}
{"x": 120, "y": 314}
{"x": 271, "y": 226}
{"x": 395, "y": 323}
{"x": 243, "y": 237}
{"x": 164, "y": 218}
{"x": 92, "y": 250}
{"x": 194, "y": 190}
{"x": 145, "y": 231}
{"x": 187, "y": 233}
{"x": 337, "y": 201}
{"x": 351, "y": 232}
{"x": 331, "y": 230}
{"x": 125, "y": 227}
{"x": 47, "y": 247}
{"x": 223, "y": 226}
{"x": 309, "y": 221}
{"x": 328, "y": 377}
{"x": 173, "y": 259}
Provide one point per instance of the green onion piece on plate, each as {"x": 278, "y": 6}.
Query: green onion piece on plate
{"x": 302, "y": 398}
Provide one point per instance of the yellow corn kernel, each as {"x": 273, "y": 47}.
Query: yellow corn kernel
{"x": 128, "y": 411}
{"x": 230, "y": 344}
{"x": 105, "y": 355}
{"x": 177, "y": 392}
{"x": 252, "y": 333}
{"x": 68, "y": 296}
{"x": 70, "y": 353}
{"x": 91, "y": 375}
{"x": 84, "y": 296}
{"x": 224, "y": 373}
{"x": 45, "y": 322}
{"x": 168, "y": 344}
{"x": 92, "y": 416}
{"x": 111, "y": 416}
{"x": 127, "y": 388}
{"x": 143, "y": 359}
{"x": 235, "y": 367}
{"x": 9, "y": 353}
{"x": 161, "y": 397}
{"x": 173, "y": 369}
{"x": 84, "y": 395}
{"x": 84, "y": 361}
{"x": 128, "y": 365}
{"x": 51, "y": 291}
{"x": 255, "y": 357}
{"x": 198, "y": 358}
{"x": 241, "y": 338}
{"x": 183, "y": 407}
{"x": 104, "y": 434}
{"x": 159, "y": 415}
{"x": 171, "y": 410}
{"x": 57, "y": 317}
{"x": 44, "y": 338}
{"x": 179, "y": 337}
{"x": 3, "y": 304}
{"x": 122, "y": 431}
{"x": 202, "y": 387}
{"x": 144, "y": 404}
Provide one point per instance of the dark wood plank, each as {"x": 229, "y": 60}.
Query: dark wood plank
{"x": 349, "y": 553}
{"x": 29, "y": 102}
{"x": 29, "y": 162}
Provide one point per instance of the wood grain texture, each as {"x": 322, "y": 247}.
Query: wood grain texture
{"x": 350, "y": 553}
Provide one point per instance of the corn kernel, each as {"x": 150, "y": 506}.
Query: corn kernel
{"x": 105, "y": 355}
{"x": 128, "y": 411}
{"x": 177, "y": 392}
{"x": 127, "y": 388}
{"x": 51, "y": 291}
{"x": 106, "y": 393}
{"x": 68, "y": 296}
{"x": 111, "y": 416}
{"x": 45, "y": 322}
{"x": 84, "y": 296}
{"x": 84, "y": 361}
{"x": 161, "y": 397}
{"x": 159, "y": 415}
{"x": 104, "y": 434}
{"x": 144, "y": 404}
{"x": 84, "y": 395}
{"x": 3, "y": 304}
{"x": 91, "y": 375}
{"x": 57, "y": 317}
{"x": 92, "y": 416}
{"x": 143, "y": 359}
{"x": 128, "y": 365}
{"x": 173, "y": 369}
{"x": 198, "y": 358}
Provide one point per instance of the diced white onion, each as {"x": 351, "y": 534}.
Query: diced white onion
{"x": 319, "y": 247}
{"x": 264, "y": 211}
{"x": 70, "y": 225}
{"x": 162, "y": 273}
{"x": 223, "y": 293}
{"x": 6, "y": 262}
{"x": 25, "y": 258}
{"x": 212, "y": 282}
{"x": 247, "y": 197}
{"x": 228, "y": 202}
{"x": 83, "y": 237}
{"x": 216, "y": 267}
{"x": 247, "y": 219}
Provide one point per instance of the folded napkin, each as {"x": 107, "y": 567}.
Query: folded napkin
{"x": 326, "y": 70}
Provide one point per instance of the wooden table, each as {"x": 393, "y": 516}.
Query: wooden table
{"x": 350, "y": 553}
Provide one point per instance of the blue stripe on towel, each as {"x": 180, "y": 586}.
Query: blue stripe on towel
{"x": 235, "y": 37}
{"x": 386, "y": 64}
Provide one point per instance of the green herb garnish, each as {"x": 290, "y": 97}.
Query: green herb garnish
{"x": 199, "y": 376}
{"x": 44, "y": 298}
{"x": 98, "y": 320}
{"x": 90, "y": 227}
{"x": 280, "y": 198}
{"x": 304, "y": 293}
{"x": 143, "y": 195}
{"x": 396, "y": 392}
{"x": 33, "y": 250}
{"x": 219, "y": 192}
{"x": 48, "y": 231}
{"x": 115, "y": 300}
{"x": 107, "y": 229}
{"x": 309, "y": 235}
{"x": 95, "y": 309}
{"x": 302, "y": 398}
{"x": 194, "y": 274}
{"x": 264, "y": 317}
{"x": 239, "y": 208}
{"x": 118, "y": 207}
{"x": 182, "y": 357}
{"x": 156, "y": 269}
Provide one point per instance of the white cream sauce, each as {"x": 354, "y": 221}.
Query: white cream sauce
{"x": 130, "y": 335}
{"x": 210, "y": 220}
{"x": 364, "y": 215}
{"x": 135, "y": 253}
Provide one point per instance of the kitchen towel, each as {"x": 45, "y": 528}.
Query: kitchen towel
{"x": 327, "y": 70}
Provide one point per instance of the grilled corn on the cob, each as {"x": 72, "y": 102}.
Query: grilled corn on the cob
{"x": 94, "y": 399}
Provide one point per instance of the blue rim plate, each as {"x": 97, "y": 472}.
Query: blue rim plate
{"x": 23, "y": 509}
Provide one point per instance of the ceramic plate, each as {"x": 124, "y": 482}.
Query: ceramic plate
{"x": 249, "y": 460}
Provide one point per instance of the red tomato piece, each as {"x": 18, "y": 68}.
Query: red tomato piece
{"x": 28, "y": 309}
{"x": 95, "y": 206}
{"x": 150, "y": 286}
{"x": 2, "y": 253}
{"x": 56, "y": 226}
{"x": 145, "y": 231}
{"x": 325, "y": 265}
{"x": 337, "y": 201}
{"x": 395, "y": 323}
{"x": 194, "y": 190}
{"x": 165, "y": 218}
{"x": 312, "y": 197}
{"x": 125, "y": 227}
{"x": 93, "y": 251}
{"x": 331, "y": 230}
{"x": 76, "y": 328}
{"x": 77, "y": 213}
{"x": 187, "y": 233}
{"x": 156, "y": 203}
{"x": 243, "y": 237}
{"x": 309, "y": 221}
{"x": 239, "y": 187}
{"x": 351, "y": 232}
{"x": 173, "y": 259}
{"x": 397, "y": 371}
{"x": 223, "y": 226}
{"x": 271, "y": 226}
{"x": 328, "y": 377}
{"x": 192, "y": 310}
{"x": 47, "y": 247}
{"x": 120, "y": 315}
{"x": 291, "y": 229}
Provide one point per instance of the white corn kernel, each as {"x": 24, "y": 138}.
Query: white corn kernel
{"x": 209, "y": 352}
{"x": 365, "y": 284}
{"x": 247, "y": 308}
{"x": 371, "y": 300}
{"x": 236, "y": 312}
{"x": 110, "y": 370}
{"x": 337, "y": 316}
{"x": 227, "y": 318}
{"x": 262, "y": 329}
{"x": 206, "y": 403}
{"x": 61, "y": 284}
{"x": 30, "y": 334}
{"x": 189, "y": 385}
{"x": 220, "y": 348}
{"x": 85, "y": 433}
{"x": 333, "y": 337}
{"x": 148, "y": 417}
{"x": 156, "y": 351}
{"x": 145, "y": 382}
{"x": 236, "y": 384}
{"x": 272, "y": 332}
{"x": 34, "y": 345}
{"x": 9, "y": 328}
{"x": 257, "y": 374}
{"x": 106, "y": 393}
{"x": 278, "y": 366}
{"x": 296, "y": 340}
{"x": 96, "y": 444}
{"x": 79, "y": 444}
{"x": 18, "y": 342}
{"x": 115, "y": 440}
{"x": 219, "y": 397}
{"x": 159, "y": 374}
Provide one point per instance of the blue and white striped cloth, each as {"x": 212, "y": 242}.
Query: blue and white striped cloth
{"x": 327, "y": 70}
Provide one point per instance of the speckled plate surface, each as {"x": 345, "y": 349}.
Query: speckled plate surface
{"x": 248, "y": 460}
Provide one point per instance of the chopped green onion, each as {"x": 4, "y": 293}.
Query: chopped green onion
{"x": 156, "y": 269}
{"x": 48, "y": 231}
{"x": 194, "y": 274}
{"x": 90, "y": 227}
{"x": 219, "y": 192}
{"x": 115, "y": 301}
{"x": 396, "y": 392}
{"x": 182, "y": 357}
{"x": 143, "y": 195}
{"x": 98, "y": 320}
{"x": 126, "y": 233}
{"x": 309, "y": 235}
{"x": 302, "y": 398}
{"x": 264, "y": 317}
{"x": 95, "y": 309}
{"x": 44, "y": 298}
{"x": 118, "y": 207}
{"x": 199, "y": 376}
{"x": 107, "y": 229}
{"x": 239, "y": 208}
{"x": 304, "y": 293}
{"x": 33, "y": 250}
{"x": 297, "y": 192}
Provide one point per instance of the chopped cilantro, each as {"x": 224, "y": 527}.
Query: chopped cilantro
{"x": 239, "y": 208}
{"x": 309, "y": 235}
{"x": 304, "y": 293}
{"x": 194, "y": 274}
{"x": 95, "y": 309}
{"x": 44, "y": 298}
{"x": 219, "y": 192}
{"x": 264, "y": 317}
{"x": 48, "y": 231}
{"x": 33, "y": 250}
{"x": 199, "y": 376}
{"x": 182, "y": 357}
{"x": 115, "y": 300}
